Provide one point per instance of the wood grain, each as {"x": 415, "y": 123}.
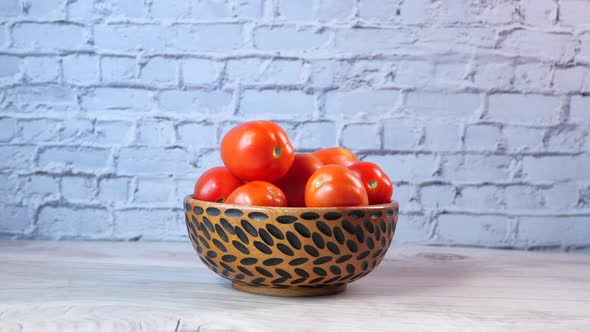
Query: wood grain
{"x": 94, "y": 286}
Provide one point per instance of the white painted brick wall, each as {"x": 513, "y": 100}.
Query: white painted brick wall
{"x": 478, "y": 110}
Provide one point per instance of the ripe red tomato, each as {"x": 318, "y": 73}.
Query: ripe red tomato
{"x": 258, "y": 193}
{"x": 376, "y": 182}
{"x": 257, "y": 150}
{"x": 335, "y": 185}
{"x": 293, "y": 183}
{"x": 337, "y": 156}
{"x": 216, "y": 184}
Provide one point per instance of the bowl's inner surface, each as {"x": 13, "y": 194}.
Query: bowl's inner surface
{"x": 290, "y": 247}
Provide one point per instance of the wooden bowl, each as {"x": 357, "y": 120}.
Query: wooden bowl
{"x": 290, "y": 251}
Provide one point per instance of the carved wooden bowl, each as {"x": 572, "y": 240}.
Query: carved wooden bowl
{"x": 290, "y": 251}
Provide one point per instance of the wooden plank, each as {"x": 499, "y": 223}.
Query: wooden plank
{"x": 97, "y": 286}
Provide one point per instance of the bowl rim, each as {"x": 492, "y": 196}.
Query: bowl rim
{"x": 393, "y": 204}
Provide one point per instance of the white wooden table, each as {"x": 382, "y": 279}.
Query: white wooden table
{"x": 91, "y": 286}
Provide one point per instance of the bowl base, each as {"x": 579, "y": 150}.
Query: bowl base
{"x": 290, "y": 292}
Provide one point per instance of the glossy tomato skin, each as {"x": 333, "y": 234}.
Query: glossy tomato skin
{"x": 334, "y": 186}
{"x": 257, "y": 150}
{"x": 336, "y": 156}
{"x": 377, "y": 184}
{"x": 293, "y": 183}
{"x": 216, "y": 184}
{"x": 258, "y": 193}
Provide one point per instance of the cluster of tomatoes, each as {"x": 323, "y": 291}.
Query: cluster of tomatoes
{"x": 262, "y": 169}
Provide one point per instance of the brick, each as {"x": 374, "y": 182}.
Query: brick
{"x": 273, "y": 71}
{"x": 42, "y": 36}
{"x": 204, "y": 37}
{"x": 323, "y": 73}
{"x": 184, "y": 187}
{"x": 455, "y": 38}
{"x": 147, "y": 224}
{"x": 80, "y": 10}
{"x": 413, "y": 229}
{"x": 76, "y": 131}
{"x": 554, "y": 231}
{"x": 476, "y": 168}
{"x": 10, "y": 8}
{"x": 371, "y": 39}
{"x": 200, "y": 71}
{"x": 154, "y": 132}
{"x": 16, "y": 157}
{"x": 195, "y": 101}
{"x": 436, "y": 196}
{"x": 3, "y": 34}
{"x": 539, "y": 12}
{"x": 83, "y": 159}
{"x": 479, "y": 198}
{"x": 148, "y": 160}
{"x": 379, "y": 10}
{"x": 118, "y": 69}
{"x": 103, "y": 99}
{"x": 532, "y": 77}
{"x": 498, "y": 76}
{"x": 80, "y": 68}
{"x": 402, "y": 134}
{"x": 129, "y": 37}
{"x": 163, "y": 9}
{"x": 407, "y": 195}
{"x": 334, "y": 10}
{"x": 574, "y": 12}
{"x": 519, "y": 197}
{"x": 254, "y": 104}
{"x": 371, "y": 73}
{"x": 197, "y": 135}
{"x": 153, "y": 190}
{"x": 520, "y": 138}
{"x": 248, "y": 8}
{"x": 122, "y": 8}
{"x": 451, "y": 72}
{"x": 43, "y": 95}
{"x": 300, "y": 39}
{"x": 483, "y": 137}
{"x": 473, "y": 229}
{"x": 562, "y": 196}
{"x": 570, "y": 79}
{"x": 41, "y": 69}
{"x": 40, "y": 130}
{"x": 46, "y": 8}
{"x": 210, "y": 9}
{"x": 441, "y": 105}
{"x": 300, "y": 11}
{"x": 208, "y": 159}
{"x": 526, "y": 42}
{"x": 112, "y": 132}
{"x": 585, "y": 45}
{"x": 78, "y": 188}
{"x": 406, "y": 167}
{"x": 64, "y": 222}
{"x": 442, "y": 135}
{"x": 361, "y": 136}
{"x": 159, "y": 70}
{"x": 413, "y": 73}
{"x": 37, "y": 188}
{"x": 579, "y": 109}
{"x": 9, "y": 67}
{"x": 315, "y": 135}
{"x": 360, "y": 102}
{"x": 15, "y": 219}
{"x": 7, "y": 129}
{"x": 114, "y": 190}
{"x": 532, "y": 109}
{"x": 567, "y": 139}
{"x": 556, "y": 168}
